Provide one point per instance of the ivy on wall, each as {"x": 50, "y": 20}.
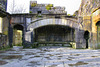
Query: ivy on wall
{"x": 33, "y": 4}
{"x": 48, "y": 7}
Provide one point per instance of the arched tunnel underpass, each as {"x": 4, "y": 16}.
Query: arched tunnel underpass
{"x": 58, "y": 34}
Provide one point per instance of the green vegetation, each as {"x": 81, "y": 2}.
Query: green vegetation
{"x": 33, "y": 4}
{"x": 93, "y": 1}
{"x": 30, "y": 11}
{"x": 48, "y": 7}
{"x": 13, "y": 57}
{"x": 68, "y": 14}
{"x": 74, "y": 15}
{"x": 54, "y": 7}
{"x": 5, "y": 48}
{"x": 85, "y": 5}
{"x": 39, "y": 16}
{"x": 40, "y": 44}
{"x": 35, "y": 45}
{"x": 19, "y": 44}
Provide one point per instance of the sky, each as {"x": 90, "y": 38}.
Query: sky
{"x": 70, "y": 5}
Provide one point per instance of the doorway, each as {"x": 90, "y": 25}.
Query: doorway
{"x": 98, "y": 34}
{"x": 17, "y": 35}
{"x": 86, "y": 37}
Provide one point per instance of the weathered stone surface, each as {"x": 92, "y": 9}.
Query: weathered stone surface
{"x": 89, "y": 12}
{"x": 88, "y": 15}
{"x": 51, "y": 56}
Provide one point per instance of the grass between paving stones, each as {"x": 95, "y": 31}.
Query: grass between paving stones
{"x": 54, "y": 65}
{"x": 3, "y": 62}
{"x": 78, "y": 63}
{"x": 2, "y": 56}
{"x": 2, "y": 52}
{"x": 5, "y": 48}
{"x": 30, "y": 53}
{"x": 50, "y": 54}
{"x": 33, "y": 63}
{"x": 94, "y": 56}
{"x": 13, "y": 57}
{"x": 76, "y": 54}
{"x": 69, "y": 59}
{"x": 37, "y": 56}
{"x": 48, "y": 58}
{"x": 14, "y": 53}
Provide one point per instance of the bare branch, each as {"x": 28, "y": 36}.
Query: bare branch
{"x": 13, "y": 8}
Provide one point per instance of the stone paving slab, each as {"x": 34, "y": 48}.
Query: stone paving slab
{"x": 51, "y": 56}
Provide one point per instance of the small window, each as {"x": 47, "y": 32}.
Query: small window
{"x": 39, "y": 12}
{"x": 57, "y": 16}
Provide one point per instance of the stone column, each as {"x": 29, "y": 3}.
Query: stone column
{"x": 23, "y": 36}
{"x": 79, "y": 38}
{"x": 32, "y": 37}
{"x": 10, "y": 32}
{"x": 71, "y": 34}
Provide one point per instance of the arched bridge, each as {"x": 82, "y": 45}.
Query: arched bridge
{"x": 52, "y": 29}
{"x": 53, "y": 21}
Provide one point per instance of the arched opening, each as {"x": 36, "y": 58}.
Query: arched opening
{"x": 86, "y": 37}
{"x": 54, "y": 34}
{"x": 17, "y": 35}
{"x": 98, "y": 33}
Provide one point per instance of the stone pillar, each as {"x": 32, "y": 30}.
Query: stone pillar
{"x": 29, "y": 37}
{"x": 71, "y": 35}
{"x": 23, "y": 36}
{"x": 32, "y": 37}
{"x": 10, "y": 33}
{"x": 79, "y": 39}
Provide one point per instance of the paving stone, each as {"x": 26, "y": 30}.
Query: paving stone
{"x": 51, "y": 57}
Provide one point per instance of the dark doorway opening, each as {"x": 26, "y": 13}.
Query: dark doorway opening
{"x": 86, "y": 37}
{"x": 54, "y": 33}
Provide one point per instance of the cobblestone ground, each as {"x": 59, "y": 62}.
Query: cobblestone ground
{"x": 50, "y": 57}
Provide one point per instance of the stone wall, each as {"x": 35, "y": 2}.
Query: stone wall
{"x": 4, "y": 36}
{"x": 31, "y": 22}
{"x": 89, "y": 14}
{"x": 46, "y": 8}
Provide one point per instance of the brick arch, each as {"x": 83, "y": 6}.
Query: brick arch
{"x": 53, "y": 21}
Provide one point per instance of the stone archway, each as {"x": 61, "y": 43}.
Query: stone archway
{"x": 30, "y": 35}
{"x": 53, "y": 21}
{"x": 98, "y": 34}
{"x": 17, "y": 35}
